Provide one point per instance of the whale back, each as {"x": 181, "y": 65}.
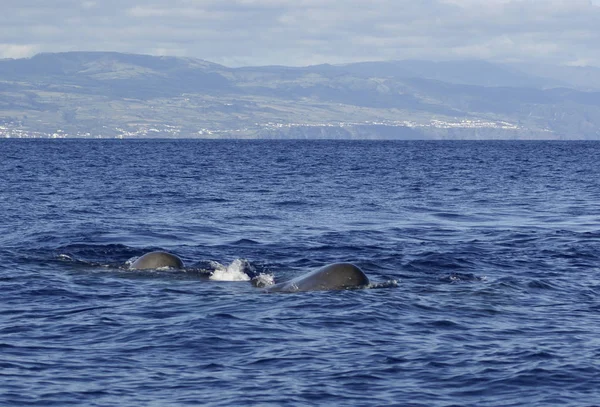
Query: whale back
{"x": 337, "y": 276}
{"x": 155, "y": 260}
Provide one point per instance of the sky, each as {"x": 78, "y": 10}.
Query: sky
{"x": 308, "y": 32}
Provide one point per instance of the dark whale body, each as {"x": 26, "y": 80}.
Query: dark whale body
{"x": 337, "y": 276}
{"x": 156, "y": 260}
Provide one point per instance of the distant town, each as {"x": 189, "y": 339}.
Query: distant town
{"x": 15, "y": 130}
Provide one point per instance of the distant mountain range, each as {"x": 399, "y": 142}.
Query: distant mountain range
{"x": 106, "y": 94}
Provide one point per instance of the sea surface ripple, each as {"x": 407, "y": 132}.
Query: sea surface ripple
{"x": 488, "y": 252}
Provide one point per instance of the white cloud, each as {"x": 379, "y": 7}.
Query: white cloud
{"x": 17, "y": 51}
{"x": 304, "y": 32}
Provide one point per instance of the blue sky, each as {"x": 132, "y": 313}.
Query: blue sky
{"x": 306, "y": 32}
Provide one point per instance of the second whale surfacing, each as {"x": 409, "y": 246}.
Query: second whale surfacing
{"x": 156, "y": 260}
{"x": 337, "y": 276}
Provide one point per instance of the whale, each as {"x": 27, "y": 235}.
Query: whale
{"x": 336, "y": 276}
{"x": 156, "y": 260}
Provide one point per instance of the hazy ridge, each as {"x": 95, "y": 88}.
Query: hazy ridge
{"x": 104, "y": 94}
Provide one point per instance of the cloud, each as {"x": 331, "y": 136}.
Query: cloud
{"x": 303, "y": 32}
{"x": 17, "y": 51}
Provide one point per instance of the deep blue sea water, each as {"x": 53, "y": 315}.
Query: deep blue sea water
{"x": 489, "y": 253}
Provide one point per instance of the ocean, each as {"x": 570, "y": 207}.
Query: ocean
{"x": 484, "y": 258}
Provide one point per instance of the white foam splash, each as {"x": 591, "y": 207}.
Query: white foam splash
{"x": 131, "y": 260}
{"x": 385, "y": 284}
{"x": 232, "y": 272}
{"x": 263, "y": 280}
